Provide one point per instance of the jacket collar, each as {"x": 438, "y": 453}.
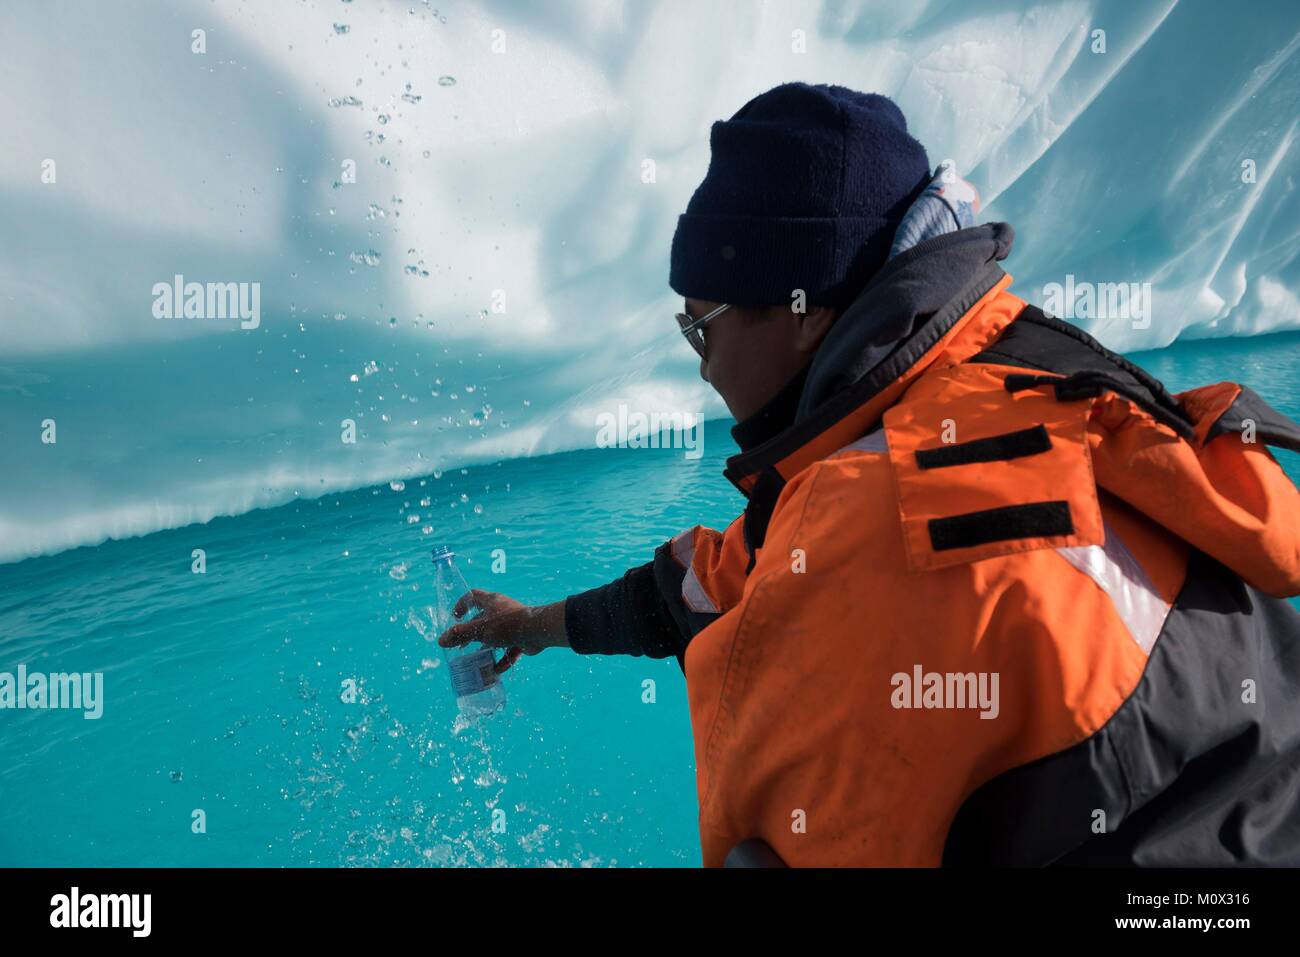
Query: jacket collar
{"x": 774, "y": 417}
{"x": 916, "y": 309}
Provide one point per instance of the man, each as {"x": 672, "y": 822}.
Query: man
{"x": 997, "y": 597}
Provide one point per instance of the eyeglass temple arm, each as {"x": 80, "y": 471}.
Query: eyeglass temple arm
{"x": 697, "y": 323}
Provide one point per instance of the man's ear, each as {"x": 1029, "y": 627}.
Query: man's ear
{"x": 812, "y": 326}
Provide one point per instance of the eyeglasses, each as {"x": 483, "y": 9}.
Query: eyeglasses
{"x": 693, "y": 329}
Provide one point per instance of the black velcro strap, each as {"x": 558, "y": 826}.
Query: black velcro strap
{"x": 1036, "y": 520}
{"x": 1020, "y": 381}
{"x": 996, "y": 448}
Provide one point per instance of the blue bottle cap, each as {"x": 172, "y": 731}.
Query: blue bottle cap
{"x": 443, "y": 553}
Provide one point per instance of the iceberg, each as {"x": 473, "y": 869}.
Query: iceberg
{"x": 458, "y": 217}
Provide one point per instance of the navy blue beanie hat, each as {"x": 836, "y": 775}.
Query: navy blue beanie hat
{"x": 805, "y": 189}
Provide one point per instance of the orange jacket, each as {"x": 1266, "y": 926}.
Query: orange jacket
{"x": 875, "y": 563}
{"x": 1003, "y": 601}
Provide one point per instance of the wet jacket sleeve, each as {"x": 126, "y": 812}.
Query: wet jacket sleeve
{"x": 657, "y": 608}
{"x": 626, "y": 617}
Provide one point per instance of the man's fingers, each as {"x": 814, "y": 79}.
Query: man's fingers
{"x": 461, "y": 634}
{"x": 450, "y": 638}
{"x": 496, "y": 629}
{"x": 472, "y": 598}
{"x": 508, "y": 660}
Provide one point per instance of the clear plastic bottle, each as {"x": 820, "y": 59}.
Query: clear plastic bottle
{"x": 477, "y": 686}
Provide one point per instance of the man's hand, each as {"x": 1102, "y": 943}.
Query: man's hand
{"x": 506, "y": 623}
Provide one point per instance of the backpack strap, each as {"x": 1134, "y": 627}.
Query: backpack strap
{"x": 1044, "y": 343}
{"x": 1076, "y": 366}
{"x": 1248, "y": 411}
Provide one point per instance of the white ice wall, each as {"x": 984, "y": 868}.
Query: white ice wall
{"x": 526, "y": 176}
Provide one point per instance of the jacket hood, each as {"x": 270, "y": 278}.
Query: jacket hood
{"x": 1218, "y": 488}
{"x": 1195, "y": 462}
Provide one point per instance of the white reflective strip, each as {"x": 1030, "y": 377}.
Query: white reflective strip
{"x": 1113, "y": 567}
{"x": 684, "y": 547}
{"x": 693, "y": 593}
{"x": 872, "y": 442}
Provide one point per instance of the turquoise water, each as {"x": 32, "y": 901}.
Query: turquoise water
{"x": 224, "y": 690}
